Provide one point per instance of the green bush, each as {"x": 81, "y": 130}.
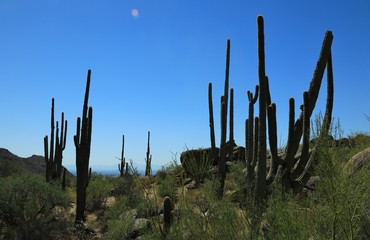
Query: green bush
{"x": 98, "y": 190}
{"x": 30, "y": 208}
{"x": 119, "y": 229}
{"x": 208, "y": 220}
{"x": 199, "y": 169}
{"x": 344, "y": 197}
{"x": 167, "y": 187}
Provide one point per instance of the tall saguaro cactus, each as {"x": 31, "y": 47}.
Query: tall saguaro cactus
{"x": 220, "y": 157}
{"x": 148, "y": 160}
{"x": 53, "y": 161}
{"x": 82, "y": 141}
{"x": 121, "y": 166}
{"x": 293, "y": 172}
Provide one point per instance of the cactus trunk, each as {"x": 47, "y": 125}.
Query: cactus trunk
{"x": 82, "y": 141}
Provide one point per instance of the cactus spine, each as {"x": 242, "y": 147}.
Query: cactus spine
{"x": 148, "y": 160}
{"x": 53, "y": 161}
{"x": 82, "y": 141}
{"x": 121, "y": 167}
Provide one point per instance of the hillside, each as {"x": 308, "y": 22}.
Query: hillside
{"x": 11, "y": 163}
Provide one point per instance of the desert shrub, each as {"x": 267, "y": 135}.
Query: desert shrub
{"x": 30, "y": 207}
{"x": 286, "y": 219}
{"x": 98, "y": 190}
{"x": 198, "y": 169}
{"x": 119, "y": 229}
{"x": 8, "y": 168}
{"x": 207, "y": 218}
{"x": 123, "y": 186}
{"x": 235, "y": 183}
{"x": 121, "y": 217}
{"x": 343, "y": 197}
{"x": 160, "y": 175}
{"x": 167, "y": 187}
{"x": 338, "y": 207}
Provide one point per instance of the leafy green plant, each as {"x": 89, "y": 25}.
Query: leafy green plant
{"x": 119, "y": 229}
{"x": 198, "y": 169}
{"x": 30, "y": 208}
{"x": 97, "y": 192}
{"x": 167, "y": 187}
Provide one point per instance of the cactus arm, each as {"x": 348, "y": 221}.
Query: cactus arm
{"x": 306, "y": 140}
{"x": 272, "y": 132}
{"x": 211, "y": 124}
{"x": 231, "y": 125}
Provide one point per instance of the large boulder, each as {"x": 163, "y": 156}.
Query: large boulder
{"x": 205, "y": 154}
{"x": 197, "y": 156}
{"x": 360, "y": 160}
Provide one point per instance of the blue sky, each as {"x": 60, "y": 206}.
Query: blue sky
{"x": 150, "y": 70}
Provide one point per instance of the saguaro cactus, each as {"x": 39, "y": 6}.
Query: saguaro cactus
{"x": 294, "y": 172}
{"x": 249, "y": 140}
{"x": 167, "y": 218}
{"x": 121, "y": 167}
{"x": 53, "y": 161}
{"x": 82, "y": 141}
{"x": 225, "y": 150}
{"x": 148, "y": 159}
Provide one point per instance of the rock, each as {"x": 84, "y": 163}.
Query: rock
{"x": 141, "y": 225}
{"x": 196, "y": 155}
{"x": 312, "y": 182}
{"x": 131, "y": 214}
{"x": 187, "y": 181}
{"x": 359, "y": 160}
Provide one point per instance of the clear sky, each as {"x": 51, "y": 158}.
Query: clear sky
{"x": 151, "y": 63}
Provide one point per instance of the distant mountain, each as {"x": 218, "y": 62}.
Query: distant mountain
{"x": 11, "y": 163}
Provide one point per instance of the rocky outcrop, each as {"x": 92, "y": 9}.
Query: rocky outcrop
{"x": 205, "y": 153}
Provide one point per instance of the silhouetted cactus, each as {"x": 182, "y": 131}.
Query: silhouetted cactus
{"x": 167, "y": 217}
{"x": 226, "y": 148}
{"x": 82, "y": 141}
{"x": 231, "y": 142}
{"x": 249, "y": 140}
{"x": 53, "y": 161}
{"x": 121, "y": 167}
{"x": 294, "y": 174}
{"x": 64, "y": 179}
{"x": 148, "y": 159}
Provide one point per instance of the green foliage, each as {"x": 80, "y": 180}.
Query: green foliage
{"x": 119, "y": 225}
{"x": 199, "y": 169}
{"x": 97, "y": 192}
{"x": 119, "y": 229}
{"x": 339, "y": 206}
{"x": 30, "y": 208}
{"x": 344, "y": 197}
{"x": 8, "y": 168}
{"x": 286, "y": 219}
{"x": 205, "y": 217}
{"x": 167, "y": 187}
